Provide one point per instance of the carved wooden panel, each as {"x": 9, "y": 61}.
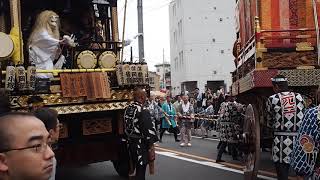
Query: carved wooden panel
{"x": 289, "y": 59}
{"x": 96, "y": 126}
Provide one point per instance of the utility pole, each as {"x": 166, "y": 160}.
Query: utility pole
{"x": 164, "y": 72}
{"x": 140, "y": 31}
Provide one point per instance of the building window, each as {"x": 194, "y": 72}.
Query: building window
{"x": 175, "y": 37}
{"x": 181, "y": 60}
{"x": 174, "y": 9}
{"x": 220, "y": 19}
{"x": 178, "y": 3}
{"x": 180, "y": 28}
{"x": 176, "y": 63}
{"x": 213, "y": 40}
{"x": 222, "y": 51}
{"x": 182, "y": 57}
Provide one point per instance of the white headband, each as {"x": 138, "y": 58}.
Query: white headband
{"x": 279, "y": 79}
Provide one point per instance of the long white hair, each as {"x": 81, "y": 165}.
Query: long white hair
{"x": 42, "y": 23}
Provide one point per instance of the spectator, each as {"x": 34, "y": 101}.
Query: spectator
{"x": 204, "y": 124}
{"x": 177, "y": 103}
{"x": 186, "y": 116}
{"x": 34, "y": 103}
{"x": 50, "y": 119}
{"x": 4, "y": 103}
{"x": 169, "y": 119}
{"x": 24, "y": 150}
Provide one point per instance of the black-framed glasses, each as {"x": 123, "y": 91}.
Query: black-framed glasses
{"x": 38, "y": 148}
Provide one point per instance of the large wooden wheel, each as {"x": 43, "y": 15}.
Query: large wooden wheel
{"x": 251, "y": 140}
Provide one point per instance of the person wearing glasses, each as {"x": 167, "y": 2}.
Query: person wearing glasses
{"x": 49, "y": 117}
{"x": 24, "y": 149}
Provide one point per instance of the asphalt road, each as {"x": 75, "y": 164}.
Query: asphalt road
{"x": 173, "y": 163}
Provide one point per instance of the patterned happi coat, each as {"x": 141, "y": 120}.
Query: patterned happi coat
{"x": 140, "y": 132}
{"x": 306, "y": 147}
{"x": 154, "y": 110}
{"x": 186, "y": 122}
{"x": 229, "y": 121}
{"x": 285, "y": 113}
{"x": 169, "y": 109}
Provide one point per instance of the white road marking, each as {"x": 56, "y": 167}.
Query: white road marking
{"x": 207, "y": 163}
{"x": 210, "y": 139}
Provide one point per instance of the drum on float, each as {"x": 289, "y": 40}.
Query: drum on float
{"x": 87, "y": 60}
{"x": 107, "y": 60}
{"x": 7, "y": 46}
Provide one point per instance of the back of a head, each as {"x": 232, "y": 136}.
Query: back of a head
{"x": 48, "y": 116}
{"x": 4, "y": 103}
{"x": 138, "y": 93}
{"x": 6, "y": 121}
{"x": 280, "y": 82}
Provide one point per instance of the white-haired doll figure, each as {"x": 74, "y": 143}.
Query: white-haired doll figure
{"x": 44, "y": 43}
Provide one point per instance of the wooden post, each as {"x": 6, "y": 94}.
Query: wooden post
{"x": 259, "y": 46}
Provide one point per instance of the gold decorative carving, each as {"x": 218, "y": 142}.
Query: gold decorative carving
{"x": 304, "y": 46}
{"x": 262, "y": 48}
{"x": 22, "y": 101}
{"x": 55, "y": 88}
{"x": 96, "y": 126}
{"x": 63, "y": 130}
{"x": 302, "y": 77}
{"x": 57, "y": 99}
{"x": 90, "y": 107}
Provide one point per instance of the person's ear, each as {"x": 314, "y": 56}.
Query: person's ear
{"x": 52, "y": 132}
{"x": 3, "y": 163}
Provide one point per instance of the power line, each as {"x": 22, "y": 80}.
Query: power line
{"x": 128, "y": 5}
{"x": 156, "y": 8}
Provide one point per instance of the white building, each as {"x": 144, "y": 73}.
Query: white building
{"x": 154, "y": 81}
{"x": 202, "y": 34}
{"x": 164, "y": 70}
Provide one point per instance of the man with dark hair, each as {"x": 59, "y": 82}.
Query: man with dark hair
{"x": 50, "y": 119}
{"x": 141, "y": 135}
{"x": 229, "y": 116}
{"x": 177, "y": 103}
{"x": 168, "y": 119}
{"x": 199, "y": 97}
{"x": 285, "y": 114}
{"x": 24, "y": 150}
{"x": 35, "y": 102}
{"x": 4, "y": 103}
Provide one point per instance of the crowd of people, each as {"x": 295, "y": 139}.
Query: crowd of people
{"x": 27, "y": 140}
{"x": 189, "y": 112}
{"x": 293, "y": 120}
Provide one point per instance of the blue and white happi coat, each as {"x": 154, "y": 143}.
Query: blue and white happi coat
{"x": 306, "y": 147}
{"x": 285, "y": 114}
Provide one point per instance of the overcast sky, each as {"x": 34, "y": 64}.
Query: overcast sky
{"x": 156, "y": 29}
